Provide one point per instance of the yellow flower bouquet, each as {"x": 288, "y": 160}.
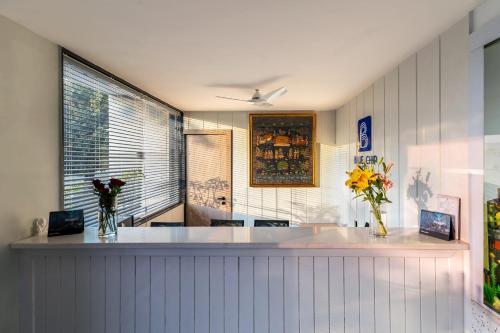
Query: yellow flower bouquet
{"x": 372, "y": 186}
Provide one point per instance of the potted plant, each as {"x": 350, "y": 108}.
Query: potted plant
{"x": 371, "y": 185}
{"x": 107, "y": 216}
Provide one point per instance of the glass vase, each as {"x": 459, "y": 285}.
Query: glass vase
{"x": 378, "y": 221}
{"x": 107, "y": 218}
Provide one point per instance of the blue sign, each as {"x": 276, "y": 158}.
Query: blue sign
{"x": 365, "y": 134}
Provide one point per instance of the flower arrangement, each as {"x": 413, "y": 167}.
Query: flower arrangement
{"x": 372, "y": 186}
{"x": 107, "y": 204}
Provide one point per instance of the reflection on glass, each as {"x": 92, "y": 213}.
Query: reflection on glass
{"x": 491, "y": 290}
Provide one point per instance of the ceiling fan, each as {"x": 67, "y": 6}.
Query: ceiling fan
{"x": 258, "y": 99}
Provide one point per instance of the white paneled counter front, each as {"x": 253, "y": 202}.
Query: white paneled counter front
{"x": 315, "y": 279}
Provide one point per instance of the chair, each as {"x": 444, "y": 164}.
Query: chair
{"x": 227, "y": 223}
{"x": 167, "y": 224}
{"x": 271, "y": 223}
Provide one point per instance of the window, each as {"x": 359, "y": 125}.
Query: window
{"x": 113, "y": 130}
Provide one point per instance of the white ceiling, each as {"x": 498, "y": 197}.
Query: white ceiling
{"x": 188, "y": 51}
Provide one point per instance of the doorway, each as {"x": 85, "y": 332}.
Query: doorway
{"x": 208, "y": 176}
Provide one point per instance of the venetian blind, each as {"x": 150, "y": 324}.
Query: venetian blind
{"x": 112, "y": 130}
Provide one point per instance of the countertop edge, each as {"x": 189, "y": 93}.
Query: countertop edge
{"x": 462, "y": 246}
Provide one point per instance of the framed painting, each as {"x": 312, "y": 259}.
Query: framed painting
{"x": 282, "y": 150}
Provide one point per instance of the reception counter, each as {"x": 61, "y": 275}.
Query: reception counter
{"x": 201, "y": 279}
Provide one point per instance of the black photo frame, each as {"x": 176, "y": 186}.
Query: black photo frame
{"x": 436, "y": 224}
{"x": 66, "y": 222}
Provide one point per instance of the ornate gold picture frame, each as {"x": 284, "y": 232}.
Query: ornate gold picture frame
{"x": 282, "y": 149}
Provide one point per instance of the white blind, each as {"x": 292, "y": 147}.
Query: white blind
{"x": 112, "y": 130}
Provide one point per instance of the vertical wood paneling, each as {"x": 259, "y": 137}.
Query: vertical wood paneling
{"x": 231, "y": 297}
{"x": 246, "y": 295}
{"x": 412, "y": 294}
{"x": 26, "y": 293}
{"x": 240, "y": 165}
{"x": 342, "y": 164}
{"x": 194, "y": 120}
{"x": 113, "y": 282}
{"x": 172, "y": 294}
{"x": 378, "y": 119}
{"x": 216, "y": 294}
{"x": 407, "y": 141}
{"x": 360, "y": 113}
{"x": 82, "y": 295}
{"x": 210, "y": 120}
{"x": 457, "y": 291}
{"x": 158, "y": 293}
{"x": 331, "y": 195}
{"x": 442, "y": 295}
{"x": 323, "y": 200}
{"x": 299, "y": 205}
{"x": 427, "y": 157}
{"x": 291, "y": 294}
{"x": 454, "y": 117}
{"x": 261, "y": 294}
{"x": 382, "y": 294}
{"x": 142, "y": 293}
{"x": 392, "y": 143}
{"x": 127, "y": 300}
{"x": 97, "y": 294}
{"x": 314, "y": 204}
{"x": 367, "y": 294}
{"x": 421, "y": 124}
{"x": 306, "y": 294}
{"x": 313, "y": 209}
{"x": 40, "y": 291}
{"x": 321, "y": 295}
{"x": 397, "y": 294}
{"x": 368, "y": 111}
{"x": 202, "y": 295}
{"x": 269, "y": 204}
{"x": 187, "y": 295}
{"x": 254, "y": 203}
{"x": 336, "y": 276}
{"x": 428, "y": 294}
{"x": 53, "y": 283}
{"x": 276, "y": 287}
{"x": 353, "y": 140}
{"x": 284, "y": 203}
{"x": 351, "y": 294}
{"x": 68, "y": 294}
{"x": 225, "y": 120}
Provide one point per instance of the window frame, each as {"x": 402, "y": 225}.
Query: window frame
{"x": 65, "y": 52}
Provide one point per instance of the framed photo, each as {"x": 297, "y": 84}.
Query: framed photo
{"x": 282, "y": 150}
{"x": 66, "y": 222}
{"x": 436, "y": 224}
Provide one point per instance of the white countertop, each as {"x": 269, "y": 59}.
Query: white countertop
{"x": 316, "y": 237}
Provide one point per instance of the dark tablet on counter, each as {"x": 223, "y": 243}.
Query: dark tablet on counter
{"x": 436, "y": 224}
{"x": 66, "y": 222}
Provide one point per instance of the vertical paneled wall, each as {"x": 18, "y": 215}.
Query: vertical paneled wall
{"x": 299, "y": 205}
{"x": 419, "y": 120}
{"x": 242, "y": 292}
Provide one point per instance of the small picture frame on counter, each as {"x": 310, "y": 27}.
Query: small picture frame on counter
{"x": 450, "y": 205}
{"x": 436, "y": 224}
{"x": 66, "y": 222}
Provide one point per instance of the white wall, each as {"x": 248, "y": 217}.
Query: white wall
{"x": 300, "y": 205}
{"x": 420, "y": 123}
{"x": 29, "y": 147}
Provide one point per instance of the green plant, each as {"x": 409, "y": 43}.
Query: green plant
{"x": 493, "y": 275}
{"x": 489, "y": 293}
